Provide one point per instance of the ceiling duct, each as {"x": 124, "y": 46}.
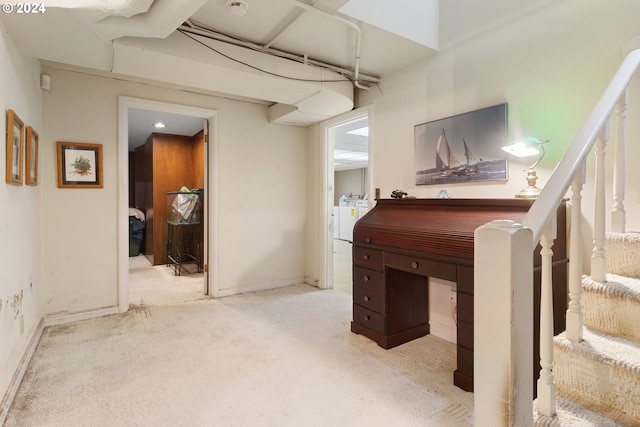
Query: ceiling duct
{"x": 113, "y": 19}
{"x": 305, "y": 99}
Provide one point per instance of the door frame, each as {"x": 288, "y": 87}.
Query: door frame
{"x": 210, "y": 252}
{"x": 328, "y": 189}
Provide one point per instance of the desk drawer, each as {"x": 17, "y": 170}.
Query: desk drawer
{"x": 369, "y": 319}
{"x": 368, "y": 278}
{"x": 368, "y": 258}
{"x": 369, "y": 299}
{"x": 423, "y": 267}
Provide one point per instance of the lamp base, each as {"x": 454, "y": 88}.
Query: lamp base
{"x": 531, "y": 192}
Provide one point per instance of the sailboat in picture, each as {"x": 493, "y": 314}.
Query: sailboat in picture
{"x": 468, "y": 168}
{"x": 443, "y": 154}
{"x": 447, "y": 164}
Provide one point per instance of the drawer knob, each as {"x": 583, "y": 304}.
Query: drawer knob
{"x": 366, "y": 298}
{"x": 366, "y": 318}
{"x": 365, "y": 278}
{"x": 366, "y": 257}
{"x": 367, "y": 240}
{"x": 414, "y": 264}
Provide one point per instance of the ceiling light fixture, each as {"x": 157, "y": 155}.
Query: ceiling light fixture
{"x": 237, "y": 7}
{"x": 159, "y": 125}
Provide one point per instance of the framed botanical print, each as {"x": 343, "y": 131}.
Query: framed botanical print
{"x": 15, "y": 148}
{"x": 31, "y": 169}
{"x": 79, "y": 165}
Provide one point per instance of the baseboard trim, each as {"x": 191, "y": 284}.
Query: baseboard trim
{"x": 443, "y": 332}
{"x": 64, "y": 318}
{"x": 265, "y": 286}
{"x": 18, "y": 375}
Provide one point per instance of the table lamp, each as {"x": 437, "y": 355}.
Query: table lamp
{"x": 526, "y": 147}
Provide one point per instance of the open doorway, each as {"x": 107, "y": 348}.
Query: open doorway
{"x": 346, "y": 140}
{"x": 166, "y": 199}
{"x": 164, "y": 282}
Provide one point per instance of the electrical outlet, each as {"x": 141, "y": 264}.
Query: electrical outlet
{"x": 453, "y": 296}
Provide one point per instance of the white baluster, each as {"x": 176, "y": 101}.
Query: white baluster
{"x": 618, "y": 215}
{"x": 598, "y": 258}
{"x": 546, "y": 382}
{"x": 575, "y": 320}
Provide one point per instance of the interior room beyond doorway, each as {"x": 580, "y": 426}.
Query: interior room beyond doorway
{"x": 350, "y": 169}
{"x": 166, "y": 162}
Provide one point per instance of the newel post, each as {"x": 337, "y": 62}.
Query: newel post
{"x": 503, "y": 325}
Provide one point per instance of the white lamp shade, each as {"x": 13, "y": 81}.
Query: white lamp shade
{"x": 524, "y": 147}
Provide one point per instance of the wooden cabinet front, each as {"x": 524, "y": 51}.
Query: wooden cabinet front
{"x": 399, "y": 244}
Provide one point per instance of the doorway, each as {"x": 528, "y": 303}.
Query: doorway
{"x": 347, "y": 190}
{"x": 164, "y": 275}
{"x": 166, "y": 186}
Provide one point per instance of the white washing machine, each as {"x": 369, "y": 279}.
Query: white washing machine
{"x": 348, "y": 217}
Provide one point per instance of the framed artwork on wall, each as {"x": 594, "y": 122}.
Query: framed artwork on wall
{"x": 462, "y": 148}
{"x": 15, "y": 148}
{"x": 31, "y": 170}
{"x": 79, "y": 165}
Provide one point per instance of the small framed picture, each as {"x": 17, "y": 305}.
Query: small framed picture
{"x": 79, "y": 165}
{"x": 31, "y": 169}
{"x": 15, "y": 148}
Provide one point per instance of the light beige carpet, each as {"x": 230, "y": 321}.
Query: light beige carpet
{"x": 155, "y": 285}
{"x": 277, "y": 358}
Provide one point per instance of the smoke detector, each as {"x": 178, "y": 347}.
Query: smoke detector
{"x": 237, "y": 7}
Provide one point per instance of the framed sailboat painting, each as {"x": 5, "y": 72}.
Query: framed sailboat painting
{"x": 462, "y": 148}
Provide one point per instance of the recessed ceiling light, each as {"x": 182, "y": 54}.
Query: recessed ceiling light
{"x": 159, "y": 125}
{"x": 237, "y": 7}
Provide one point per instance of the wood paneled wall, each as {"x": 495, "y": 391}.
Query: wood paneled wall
{"x": 164, "y": 164}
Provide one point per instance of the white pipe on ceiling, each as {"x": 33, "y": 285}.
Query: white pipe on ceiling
{"x": 202, "y": 30}
{"x": 346, "y": 22}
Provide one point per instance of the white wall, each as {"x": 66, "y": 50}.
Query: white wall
{"x": 20, "y": 217}
{"x": 353, "y": 181}
{"x": 261, "y": 171}
{"x": 550, "y": 67}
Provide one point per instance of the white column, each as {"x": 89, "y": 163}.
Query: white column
{"x": 598, "y": 258}
{"x": 575, "y": 320}
{"x": 546, "y": 383}
{"x": 503, "y": 325}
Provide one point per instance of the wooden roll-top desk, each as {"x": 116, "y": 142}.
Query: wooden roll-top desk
{"x": 400, "y": 243}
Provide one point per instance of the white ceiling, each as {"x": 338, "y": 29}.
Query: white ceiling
{"x": 141, "y": 125}
{"x": 298, "y": 57}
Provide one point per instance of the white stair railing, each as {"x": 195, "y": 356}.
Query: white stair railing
{"x": 502, "y": 386}
{"x": 574, "y": 318}
{"x": 598, "y": 258}
{"x": 618, "y": 214}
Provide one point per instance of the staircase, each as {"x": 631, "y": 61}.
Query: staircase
{"x": 598, "y": 378}
{"x": 590, "y": 374}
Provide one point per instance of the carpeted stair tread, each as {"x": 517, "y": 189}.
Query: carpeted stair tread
{"x": 623, "y": 253}
{"x": 612, "y": 307}
{"x": 571, "y": 414}
{"x": 602, "y": 373}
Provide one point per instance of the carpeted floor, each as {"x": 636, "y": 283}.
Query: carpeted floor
{"x": 155, "y": 285}
{"x": 276, "y": 358}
